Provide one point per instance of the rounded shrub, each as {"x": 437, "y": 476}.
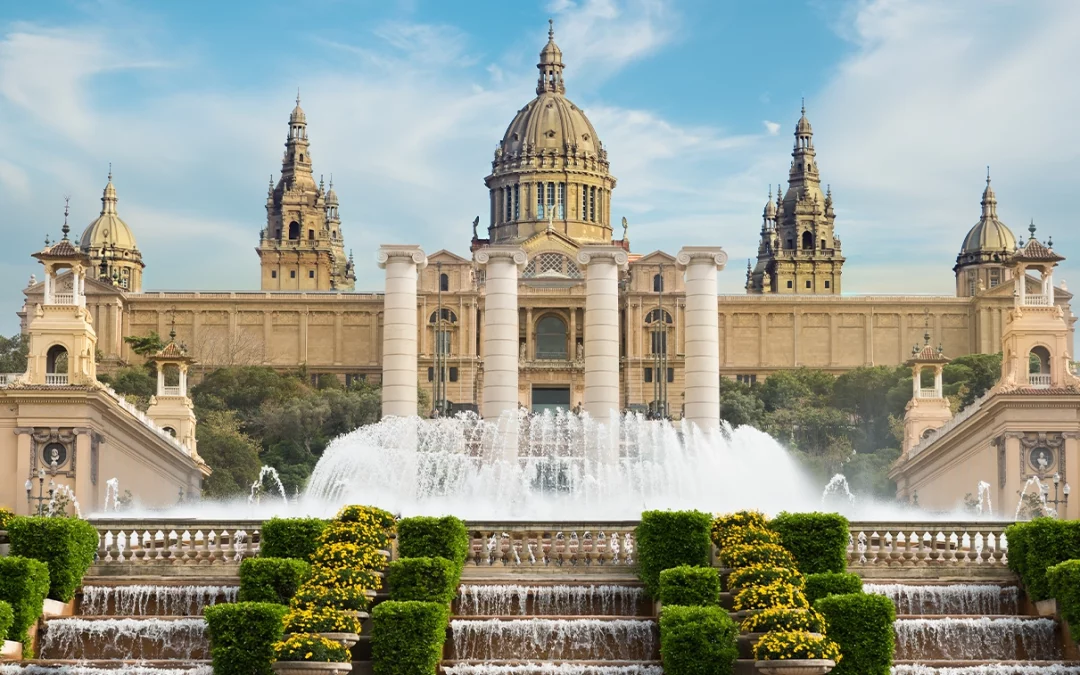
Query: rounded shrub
{"x": 818, "y": 541}
{"x": 7, "y": 617}
{"x": 66, "y": 545}
{"x": 423, "y": 579}
{"x": 746, "y": 536}
{"x": 780, "y": 646}
{"x": 24, "y": 584}
{"x": 773, "y": 595}
{"x": 1038, "y": 545}
{"x": 358, "y": 533}
{"x": 690, "y": 586}
{"x": 831, "y": 583}
{"x": 291, "y": 537}
{"x": 271, "y": 579}
{"x": 722, "y": 524}
{"x": 762, "y": 575}
{"x": 242, "y": 636}
{"x": 783, "y": 619}
{"x": 311, "y": 648}
{"x": 697, "y": 640}
{"x": 667, "y": 539}
{"x": 407, "y": 637}
{"x": 1063, "y": 581}
{"x": 769, "y": 555}
{"x": 426, "y": 537}
{"x": 862, "y": 624}
{"x": 371, "y": 515}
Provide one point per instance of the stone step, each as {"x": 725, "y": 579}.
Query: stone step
{"x": 518, "y": 667}
{"x": 150, "y": 600}
{"x": 986, "y": 668}
{"x": 1020, "y": 638}
{"x": 125, "y": 638}
{"x": 553, "y": 639}
{"x": 107, "y": 667}
{"x": 548, "y": 599}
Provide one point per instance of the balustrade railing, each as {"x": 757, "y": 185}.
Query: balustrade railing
{"x": 62, "y": 299}
{"x": 928, "y": 393}
{"x": 1039, "y": 380}
{"x": 170, "y": 391}
{"x": 550, "y": 544}
{"x": 60, "y": 379}
{"x": 9, "y": 378}
{"x": 1036, "y": 301}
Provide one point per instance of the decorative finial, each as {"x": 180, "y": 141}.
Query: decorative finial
{"x": 770, "y": 192}
{"x": 331, "y": 181}
{"x": 321, "y": 182}
{"x": 298, "y": 97}
{"x": 110, "y": 172}
{"x": 926, "y": 326}
{"x": 65, "y": 229}
{"x": 1031, "y": 229}
{"x": 988, "y": 175}
{"x": 804, "y": 106}
{"x": 1050, "y": 241}
{"x": 551, "y": 29}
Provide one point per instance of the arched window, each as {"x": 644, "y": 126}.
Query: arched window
{"x": 551, "y": 338}
{"x": 170, "y": 431}
{"x": 657, "y": 283}
{"x": 1039, "y": 360}
{"x": 822, "y": 244}
{"x": 171, "y": 374}
{"x": 301, "y": 156}
{"x": 56, "y": 360}
{"x": 447, "y": 315}
{"x": 294, "y": 230}
{"x": 656, "y": 314}
{"x": 444, "y": 282}
{"x": 807, "y": 241}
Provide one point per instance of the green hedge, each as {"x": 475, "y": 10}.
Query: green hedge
{"x": 667, "y": 539}
{"x": 291, "y": 537}
{"x": 24, "y": 583}
{"x": 697, "y": 641}
{"x": 831, "y": 583}
{"x": 423, "y": 579}
{"x": 1064, "y": 581}
{"x": 862, "y": 624}
{"x": 407, "y": 637}
{"x": 271, "y": 579}
{"x": 242, "y": 636}
{"x": 690, "y": 586}
{"x": 1036, "y": 546}
{"x": 7, "y": 617}
{"x": 425, "y": 537}
{"x": 66, "y": 545}
{"x": 818, "y": 541}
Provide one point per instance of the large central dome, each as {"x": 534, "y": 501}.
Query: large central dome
{"x": 550, "y": 169}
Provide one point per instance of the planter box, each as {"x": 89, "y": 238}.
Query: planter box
{"x": 1046, "y": 607}
{"x": 311, "y": 668}
{"x": 795, "y": 667}
{"x": 55, "y": 608}
{"x": 11, "y": 651}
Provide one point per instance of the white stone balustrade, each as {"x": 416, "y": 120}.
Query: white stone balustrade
{"x": 534, "y": 545}
{"x": 56, "y": 379}
{"x": 1039, "y": 380}
{"x": 1036, "y": 301}
{"x": 188, "y": 542}
{"x": 900, "y": 544}
{"x": 928, "y": 392}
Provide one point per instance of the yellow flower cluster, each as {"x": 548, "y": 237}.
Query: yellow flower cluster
{"x": 761, "y": 575}
{"x": 5, "y": 517}
{"x": 722, "y": 524}
{"x": 745, "y": 536}
{"x": 784, "y": 619}
{"x": 773, "y": 555}
{"x": 376, "y": 517}
{"x": 366, "y": 533}
{"x": 783, "y": 645}
{"x": 776, "y": 594}
{"x": 307, "y": 647}
{"x": 320, "y": 620}
{"x": 338, "y": 555}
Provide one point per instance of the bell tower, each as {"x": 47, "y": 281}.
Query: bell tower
{"x": 928, "y": 409}
{"x": 170, "y": 407}
{"x": 62, "y": 340}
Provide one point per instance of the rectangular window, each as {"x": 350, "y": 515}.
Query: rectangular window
{"x": 442, "y": 342}
{"x": 540, "y": 201}
{"x": 273, "y": 274}
{"x": 551, "y": 200}
{"x": 808, "y": 283}
{"x": 659, "y": 342}
{"x": 430, "y": 374}
{"x": 311, "y": 274}
{"x": 517, "y": 205}
{"x": 972, "y": 281}
{"x": 453, "y": 373}
{"x": 592, "y": 204}
{"x": 508, "y": 198}
{"x": 584, "y": 202}
{"x": 670, "y": 374}
{"x": 292, "y": 274}
{"x": 789, "y": 283}
{"x": 648, "y": 374}
{"x": 747, "y": 379}
{"x": 561, "y": 213}
{"x": 995, "y": 278}
{"x": 826, "y": 283}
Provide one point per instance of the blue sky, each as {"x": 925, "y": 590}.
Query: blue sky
{"x": 695, "y": 100}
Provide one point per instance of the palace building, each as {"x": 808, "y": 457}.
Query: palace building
{"x": 550, "y": 187}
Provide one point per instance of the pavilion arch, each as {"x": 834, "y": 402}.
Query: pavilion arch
{"x": 1039, "y": 359}
{"x": 57, "y": 361}
{"x": 807, "y": 241}
{"x": 294, "y": 230}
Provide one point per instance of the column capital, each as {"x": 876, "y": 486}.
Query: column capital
{"x": 409, "y": 251}
{"x": 500, "y": 251}
{"x": 689, "y": 255}
{"x": 591, "y": 254}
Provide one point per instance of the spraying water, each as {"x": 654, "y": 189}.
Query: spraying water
{"x": 984, "y": 494}
{"x": 112, "y": 495}
{"x": 837, "y": 485}
{"x": 1039, "y": 495}
{"x": 62, "y": 496}
{"x": 257, "y": 487}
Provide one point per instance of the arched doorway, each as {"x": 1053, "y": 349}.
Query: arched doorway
{"x": 807, "y": 241}
{"x": 56, "y": 365}
{"x": 1039, "y": 366}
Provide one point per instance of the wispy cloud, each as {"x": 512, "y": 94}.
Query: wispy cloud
{"x": 772, "y": 128}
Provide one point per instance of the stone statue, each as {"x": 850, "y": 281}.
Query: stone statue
{"x": 33, "y": 280}
{"x": 475, "y": 224}
{"x": 580, "y": 351}
{"x": 625, "y": 227}
{"x": 522, "y": 351}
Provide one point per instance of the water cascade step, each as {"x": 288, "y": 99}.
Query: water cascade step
{"x": 552, "y": 599}
{"x": 1015, "y": 638}
{"x": 585, "y": 639}
{"x": 125, "y": 638}
{"x": 552, "y": 669}
{"x": 999, "y": 668}
{"x": 966, "y": 599}
{"x": 152, "y": 600}
{"x": 105, "y": 668}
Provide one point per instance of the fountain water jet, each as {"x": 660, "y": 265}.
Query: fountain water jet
{"x": 257, "y": 487}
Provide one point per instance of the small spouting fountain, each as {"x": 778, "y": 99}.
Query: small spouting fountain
{"x": 257, "y": 487}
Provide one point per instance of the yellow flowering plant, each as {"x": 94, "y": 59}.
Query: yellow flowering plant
{"x": 775, "y": 594}
{"x": 367, "y": 514}
{"x": 347, "y": 598}
{"x": 763, "y": 574}
{"x": 745, "y": 536}
{"x": 307, "y": 647}
{"x": 738, "y": 519}
{"x": 5, "y": 517}
{"x": 339, "y": 555}
{"x": 359, "y": 533}
{"x": 781, "y": 646}
{"x": 331, "y": 577}
{"x": 320, "y": 620}
{"x": 773, "y": 555}
{"x": 783, "y": 619}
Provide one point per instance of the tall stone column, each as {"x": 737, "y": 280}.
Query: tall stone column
{"x": 602, "y": 265}
{"x": 501, "y": 331}
{"x": 399, "y": 369}
{"x": 700, "y": 264}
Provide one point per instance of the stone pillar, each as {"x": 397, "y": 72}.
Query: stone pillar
{"x": 501, "y": 331}
{"x": 702, "y": 334}
{"x": 399, "y": 369}
{"x": 602, "y": 265}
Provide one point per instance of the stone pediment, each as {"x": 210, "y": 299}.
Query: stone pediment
{"x": 448, "y": 257}
{"x": 654, "y": 258}
{"x": 550, "y": 240}
{"x": 92, "y": 287}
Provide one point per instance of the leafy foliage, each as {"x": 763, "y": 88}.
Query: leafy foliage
{"x": 13, "y": 351}
{"x": 242, "y": 636}
{"x": 697, "y": 641}
{"x": 232, "y": 454}
{"x": 781, "y": 646}
{"x": 1064, "y": 582}
{"x": 311, "y": 648}
{"x": 769, "y": 555}
{"x": 776, "y": 594}
{"x": 690, "y": 586}
{"x": 7, "y": 617}
{"x": 667, "y": 539}
{"x": 24, "y": 583}
{"x": 1036, "y": 546}
{"x": 145, "y": 345}
{"x": 722, "y": 524}
{"x": 784, "y": 619}
{"x": 423, "y": 579}
{"x": 407, "y": 637}
{"x": 66, "y": 545}
{"x": 762, "y": 575}
{"x": 291, "y": 537}
{"x": 271, "y": 579}
{"x": 862, "y": 625}
{"x": 817, "y": 540}
{"x": 831, "y": 583}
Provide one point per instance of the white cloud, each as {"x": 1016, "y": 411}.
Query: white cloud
{"x": 772, "y": 128}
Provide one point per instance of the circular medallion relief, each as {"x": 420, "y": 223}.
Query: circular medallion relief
{"x": 1041, "y": 458}
{"x": 54, "y": 454}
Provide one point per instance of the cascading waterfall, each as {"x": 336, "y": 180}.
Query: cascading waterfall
{"x": 123, "y": 669}
{"x": 554, "y": 639}
{"x": 969, "y": 599}
{"x": 988, "y": 669}
{"x": 512, "y": 599}
{"x": 550, "y": 669}
{"x": 156, "y": 600}
{"x": 976, "y": 639}
{"x": 126, "y": 639}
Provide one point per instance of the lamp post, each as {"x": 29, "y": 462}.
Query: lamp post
{"x": 41, "y": 497}
{"x": 1061, "y": 493}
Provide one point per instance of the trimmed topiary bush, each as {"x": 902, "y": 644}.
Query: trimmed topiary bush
{"x": 817, "y": 540}
{"x": 690, "y": 586}
{"x": 1063, "y": 580}
{"x": 271, "y": 579}
{"x": 423, "y": 579}
{"x": 291, "y": 537}
{"x": 831, "y": 583}
{"x": 1036, "y": 546}
{"x": 763, "y": 575}
{"x": 721, "y": 525}
{"x": 242, "y": 636}
{"x": 783, "y": 619}
{"x": 773, "y": 595}
{"x": 7, "y": 618}
{"x": 66, "y": 545}
{"x": 862, "y": 624}
{"x": 667, "y": 539}
{"x": 697, "y": 641}
{"x": 24, "y": 584}
{"x": 371, "y": 515}
{"x": 407, "y": 637}
{"x": 425, "y": 537}
{"x": 767, "y": 555}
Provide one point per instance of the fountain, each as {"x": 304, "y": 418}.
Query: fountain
{"x": 984, "y": 495}
{"x": 981, "y": 638}
{"x": 963, "y": 599}
{"x": 78, "y": 669}
{"x": 590, "y": 639}
{"x": 62, "y": 496}
{"x": 559, "y": 599}
{"x": 112, "y": 495}
{"x": 144, "y": 600}
{"x": 257, "y": 487}
{"x": 125, "y": 638}
{"x": 837, "y": 485}
{"x": 1035, "y": 502}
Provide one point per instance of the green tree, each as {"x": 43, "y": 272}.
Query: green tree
{"x": 868, "y": 473}
{"x": 244, "y": 390}
{"x": 974, "y": 375}
{"x": 232, "y": 454}
{"x": 739, "y": 405}
{"x": 13, "y": 351}
{"x": 864, "y": 392}
{"x": 145, "y": 345}
{"x": 799, "y": 387}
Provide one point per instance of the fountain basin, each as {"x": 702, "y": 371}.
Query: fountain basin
{"x": 795, "y": 666}
{"x": 311, "y": 668}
